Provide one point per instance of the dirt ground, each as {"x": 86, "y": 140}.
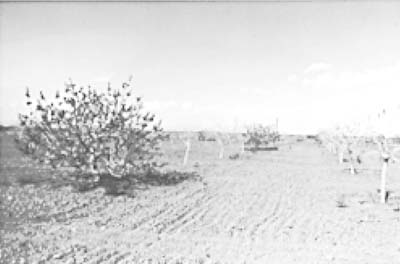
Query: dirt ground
{"x": 295, "y": 205}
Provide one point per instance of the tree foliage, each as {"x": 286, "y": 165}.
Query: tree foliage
{"x": 93, "y": 132}
{"x": 259, "y": 135}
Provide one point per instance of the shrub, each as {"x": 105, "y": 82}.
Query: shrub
{"x": 201, "y": 136}
{"x": 93, "y": 132}
{"x": 261, "y": 135}
{"x": 6, "y": 128}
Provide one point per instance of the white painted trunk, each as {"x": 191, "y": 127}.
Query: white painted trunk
{"x": 352, "y": 169}
{"x": 186, "y": 157}
{"x": 221, "y": 150}
{"x": 330, "y": 148}
{"x": 242, "y": 148}
{"x": 383, "y": 181}
{"x": 340, "y": 157}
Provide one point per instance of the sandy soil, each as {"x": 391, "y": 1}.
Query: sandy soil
{"x": 296, "y": 205}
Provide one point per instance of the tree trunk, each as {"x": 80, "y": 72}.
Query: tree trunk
{"x": 352, "y": 169}
{"x": 242, "y": 148}
{"x": 221, "y": 150}
{"x": 383, "y": 180}
{"x": 340, "y": 157}
{"x": 185, "y": 158}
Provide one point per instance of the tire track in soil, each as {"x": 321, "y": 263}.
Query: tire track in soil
{"x": 248, "y": 212}
{"x": 291, "y": 214}
{"x": 266, "y": 204}
{"x": 245, "y": 196}
{"x": 273, "y": 206}
{"x": 222, "y": 212}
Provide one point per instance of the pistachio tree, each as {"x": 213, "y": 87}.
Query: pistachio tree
{"x": 91, "y": 131}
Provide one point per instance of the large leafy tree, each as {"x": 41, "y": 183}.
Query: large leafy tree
{"x": 93, "y": 132}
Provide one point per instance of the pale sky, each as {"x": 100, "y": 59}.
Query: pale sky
{"x": 211, "y": 65}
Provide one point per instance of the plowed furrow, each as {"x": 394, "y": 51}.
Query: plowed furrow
{"x": 281, "y": 224}
{"x": 193, "y": 216}
{"x": 242, "y": 216}
{"x": 168, "y": 208}
{"x": 146, "y": 219}
{"x": 171, "y": 223}
{"x": 266, "y": 221}
{"x": 104, "y": 256}
{"x": 120, "y": 258}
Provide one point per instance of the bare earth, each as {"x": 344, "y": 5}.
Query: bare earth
{"x": 270, "y": 207}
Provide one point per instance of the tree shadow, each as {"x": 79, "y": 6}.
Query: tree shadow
{"x": 32, "y": 176}
{"x": 112, "y": 185}
{"x": 15, "y": 170}
{"x": 130, "y": 185}
{"x": 168, "y": 178}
